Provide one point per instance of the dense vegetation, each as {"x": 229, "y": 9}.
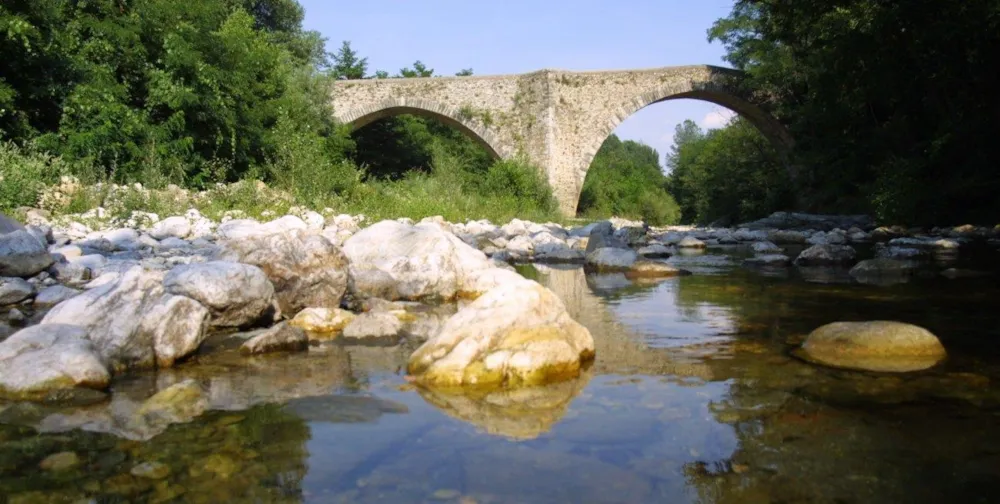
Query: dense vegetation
{"x": 728, "y": 175}
{"x": 625, "y": 179}
{"x": 892, "y": 105}
{"x": 196, "y": 93}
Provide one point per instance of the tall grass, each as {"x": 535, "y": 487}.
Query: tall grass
{"x": 302, "y": 175}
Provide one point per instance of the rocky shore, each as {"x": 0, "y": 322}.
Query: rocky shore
{"x": 83, "y": 300}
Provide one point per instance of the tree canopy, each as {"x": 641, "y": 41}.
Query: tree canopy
{"x": 892, "y": 104}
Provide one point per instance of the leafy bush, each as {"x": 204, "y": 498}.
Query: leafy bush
{"x": 517, "y": 178}
{"x": 24, "y": 173}
{"x": 303, "y": 167}
{"x": 625, "y": 180}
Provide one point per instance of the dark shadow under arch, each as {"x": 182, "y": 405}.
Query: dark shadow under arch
{"x": 480, "y": 135}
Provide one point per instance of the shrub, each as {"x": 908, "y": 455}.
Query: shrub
{"x": 24, "y": 173}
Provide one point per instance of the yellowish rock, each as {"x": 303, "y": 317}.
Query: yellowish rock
{"x": 60, "y": 461}
{"x": 654, "y": 269}
{"x": 874, "y": 346}
{"x": 322, "y": 320}
{"x": 518, "y": 333}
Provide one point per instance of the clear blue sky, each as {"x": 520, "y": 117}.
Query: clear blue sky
{"x": 517, "y": 36}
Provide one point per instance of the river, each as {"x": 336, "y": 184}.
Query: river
{"x": 694, "y": 397}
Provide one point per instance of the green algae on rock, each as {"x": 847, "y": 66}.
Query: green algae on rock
{"x": 873, "y": 346}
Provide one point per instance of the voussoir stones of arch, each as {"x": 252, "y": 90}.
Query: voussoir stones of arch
{"x": 518, "y": 333}
{"x": 880, "y": 345}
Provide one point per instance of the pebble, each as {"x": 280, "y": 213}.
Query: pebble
{"x": 446, "y": 494}
{"x": 60, "y": 461}
{"x": 151, "y": 470}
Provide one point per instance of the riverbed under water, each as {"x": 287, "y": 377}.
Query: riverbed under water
{"x": 693, "y": 397}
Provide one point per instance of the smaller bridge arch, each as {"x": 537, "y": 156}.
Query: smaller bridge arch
{"x": 359, "y": 117}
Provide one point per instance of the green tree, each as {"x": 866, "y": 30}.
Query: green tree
{"x": 347, "y": 64}
{"x": 418, "y": 70}
{"x": 892, "y": 104}
{"x": 728, "y": 175}
{"x": 160, "y": 89}
{"x": 625, "y": 179}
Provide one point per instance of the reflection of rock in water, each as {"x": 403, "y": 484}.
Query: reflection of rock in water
{"x": 468, "y": 470}
{"x": 254, "y": 456}
{"x": 232, "y": 382}
{"x": 618, "y": 348}
{"x": 521, "y": 413}
{"x": 343, "y": 409}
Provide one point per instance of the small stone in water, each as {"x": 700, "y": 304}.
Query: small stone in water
{"x": 151, "y": 470}
{"x": 446, "y": 494}
{"x": 16, "y": 316}
{"x": 60, "y": 461}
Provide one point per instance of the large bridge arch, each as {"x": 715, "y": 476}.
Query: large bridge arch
{"x": 359, "y": 117}
{"x": 556, "y": 119}
{"x": 715, "y": 85}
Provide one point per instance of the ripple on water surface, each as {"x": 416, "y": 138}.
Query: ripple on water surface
{"x": 693, "y": 397}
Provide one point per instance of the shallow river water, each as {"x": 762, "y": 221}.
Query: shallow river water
{"x": 694, "y": 397}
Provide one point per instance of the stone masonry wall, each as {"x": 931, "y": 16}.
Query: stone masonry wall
{"x": 556, "y": 119}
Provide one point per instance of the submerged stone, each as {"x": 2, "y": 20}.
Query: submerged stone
{"x": 654, "y": 269}
{"x": 874, "y": 346}
{"x": 177, "y": 403}
{"x": 826, "y": 254}
{"x": 283, "y": 337}
{"x": 60, "y": 461}
{"x": 151, "y": 470}
{"x": 768, "y": 260}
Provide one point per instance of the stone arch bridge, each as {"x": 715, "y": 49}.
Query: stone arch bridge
{"x": 557, "y": 119}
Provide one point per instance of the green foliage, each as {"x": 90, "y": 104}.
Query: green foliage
{"x": 303, "y": 166}
{"x": 418, "y": 70}
{"x": 625, "y": 180}
{"x": 506, "y": 190}
{"x": 24, "y": 173}
{"x": 159, "y": 88}
{"x": 730, "y": 174}
{"x": 892, "y": 104}
{"x": 347, "y": 64}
